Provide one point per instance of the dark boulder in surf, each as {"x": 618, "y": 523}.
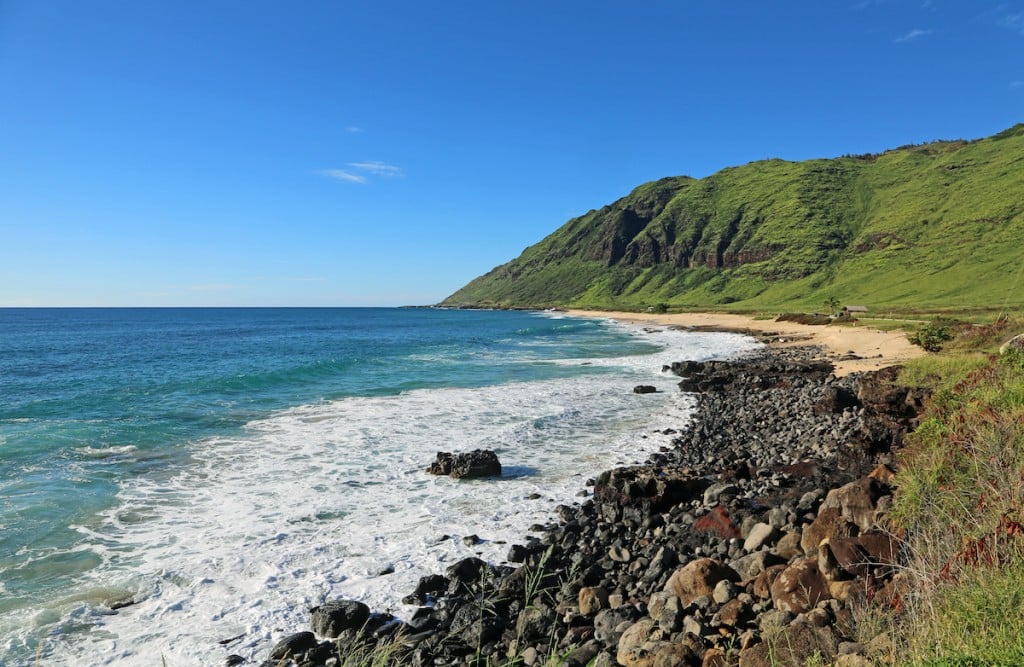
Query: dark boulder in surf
{"x": 477, "y": 463}
{"x": 335, "y": 616}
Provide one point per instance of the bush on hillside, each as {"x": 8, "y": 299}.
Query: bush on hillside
{"x": 933, "y": 336}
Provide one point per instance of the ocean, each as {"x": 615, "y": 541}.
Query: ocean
{"x": 220, "y": 471}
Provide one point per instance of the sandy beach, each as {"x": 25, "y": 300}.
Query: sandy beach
{"x": 851, "y": 348}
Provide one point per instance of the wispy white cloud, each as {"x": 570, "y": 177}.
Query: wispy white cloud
{"x": 360, "y": 172}
{"x": 916, "y": 33}
{"x": 1017, "y": 84}
{"x": 377, "y": 168}
{"x": 353, "y": 129}
{"x": 1014, "y": 22}
{"x": 342, "y": 175}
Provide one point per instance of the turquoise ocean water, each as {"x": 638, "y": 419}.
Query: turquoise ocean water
{"x": 224, "y": 469}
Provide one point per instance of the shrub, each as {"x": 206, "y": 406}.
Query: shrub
{"x": 933, "y": 335}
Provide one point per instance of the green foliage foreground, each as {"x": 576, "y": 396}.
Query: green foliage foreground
{"x": 931, "y": 226}
{"x": 959, "y": 507}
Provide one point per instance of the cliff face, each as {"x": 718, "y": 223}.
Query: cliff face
{"x": 919, "y": 225}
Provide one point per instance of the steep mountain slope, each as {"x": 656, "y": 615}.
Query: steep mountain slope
{"x": 935, "y": 225}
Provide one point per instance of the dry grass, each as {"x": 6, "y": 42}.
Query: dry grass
{"x": 959, "y": 508}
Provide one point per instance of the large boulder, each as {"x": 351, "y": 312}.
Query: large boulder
{"x": 477, "y": 463}
{"x": 698, "y": 578}
{"x": 797, "y": 644}
{"x": 335, "y": 616}
{"x": 857, "y": 501}
{"x": 429, "y": 586}
{"x": 800, "y": 587}
{"x": 637, "y": 492}
{"x": 828, "y": 525}
{"x": 293, "y": 646}
{"x": 1015, "y": 343}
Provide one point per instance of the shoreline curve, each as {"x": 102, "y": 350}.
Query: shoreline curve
{"x": 850, "y": 348}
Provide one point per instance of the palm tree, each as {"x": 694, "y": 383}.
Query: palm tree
{"x": 832, "y": 305}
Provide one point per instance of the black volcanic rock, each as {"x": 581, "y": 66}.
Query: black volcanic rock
{"x": 477, "y": 463}
{"x": 332, "y": 618}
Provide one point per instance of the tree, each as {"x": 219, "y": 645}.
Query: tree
{"x": 832, "y": 305}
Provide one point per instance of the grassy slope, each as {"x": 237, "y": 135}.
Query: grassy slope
{"x": 958, "y": 508}
{"x": 918, "y": 227}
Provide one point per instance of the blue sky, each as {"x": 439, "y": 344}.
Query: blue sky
{"x": 386, "y": 153}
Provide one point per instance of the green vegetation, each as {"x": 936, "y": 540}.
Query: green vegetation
{"x": 919, "y": 227}
{"x": 959, "y": 504}
{"x": 932, "y": 336}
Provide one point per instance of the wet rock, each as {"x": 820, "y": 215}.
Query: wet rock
{"x": 427, "y": 587}
{"x": 644, "y": 389}
{"x": 293, "y": 646}
{"x": 335, "y": 616}
{"x": 517, "y": 553}
{"x": 467, "y": 570}
{"x": 477, "y": 463}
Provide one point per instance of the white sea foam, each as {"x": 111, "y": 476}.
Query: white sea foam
{"x": 315, "y": 502}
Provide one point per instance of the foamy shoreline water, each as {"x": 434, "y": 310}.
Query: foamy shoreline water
{"x": 314, "y": 502}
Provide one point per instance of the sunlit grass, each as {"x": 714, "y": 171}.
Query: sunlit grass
{"x": 922, "y": 228}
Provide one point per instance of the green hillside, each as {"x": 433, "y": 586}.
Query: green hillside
{"x": 939, "y": 225}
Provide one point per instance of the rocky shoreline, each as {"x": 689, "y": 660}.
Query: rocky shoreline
{"x": 752, "y": 541}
